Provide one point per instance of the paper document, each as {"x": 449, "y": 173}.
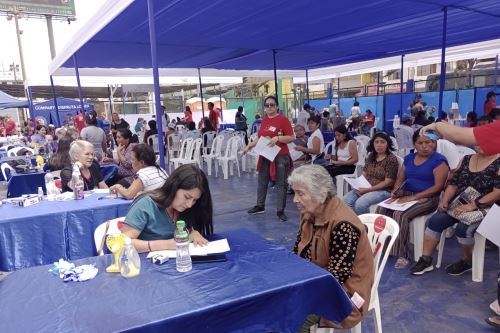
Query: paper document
{"x": 264, "y": 150}
{"x": 294, "y": 154}
{"x": 490, "y": 225}
{"x": 358, "y": 183}
{"x": 392, "y": 203}
{"x": 218, "y": 246}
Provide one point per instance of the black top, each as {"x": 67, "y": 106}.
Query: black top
{"x": 88, "y": 184}
{"x": 483, "y": 181}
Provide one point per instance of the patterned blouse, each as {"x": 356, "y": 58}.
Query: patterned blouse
{"x": 125, "y": 167}
{"x": 483, "y": 181}
{"x": 343, "y": 244}
{"x": 376, "y": 171}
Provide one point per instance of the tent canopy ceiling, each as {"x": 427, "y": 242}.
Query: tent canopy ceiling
{"x": 7, "y": 101}
{"x": 242, "y": 34}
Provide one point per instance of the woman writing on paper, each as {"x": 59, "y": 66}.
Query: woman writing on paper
{"x": 476, "y": 173}
{"x": 344, "y": 155}
{"x": 150, "y": 222}
{"x": 421, "y": 178}
{"x": 279, "y": 130}
{"x": 380, "y": 170}
{"x": 315, "y": 142}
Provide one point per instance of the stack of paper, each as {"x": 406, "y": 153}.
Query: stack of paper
{"x": 218, "y": 246}
{"x": 294, "y": 154}
{"x": 263, "y": 149}
{"x": 358, "y": 183}
{"x": 392, "y": 203}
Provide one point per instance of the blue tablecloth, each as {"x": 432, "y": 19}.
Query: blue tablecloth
{"x": 43, "y": 233}
{"x": 261, "y": 287}
{"x": 108, "y": 170}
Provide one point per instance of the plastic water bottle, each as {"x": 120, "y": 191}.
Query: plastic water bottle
{"x": 40, "y": 193}
{"x": 129, "y": 263}
{"x": 396, "y": 122}
{"x": 183, "y": 259}
{"x": 78, "y": 185}
{"x": 50, "y": 186}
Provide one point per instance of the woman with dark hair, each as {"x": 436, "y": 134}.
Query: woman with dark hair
{"x": 95, "y": 135}
{"x": 421, "y": 178}
{"x": 39, "y": 137}
{"x": 278, "y": 129}
{"x": 151, "y": 131}
{"x": 315, "y": 142}
{"x": 150, "y": 222}
{"x": 471, "y": 119}
{"x": 191, "y": 126}
{"x": 126, "y": 142}
{"x": 380, "y": 170}
{"x": 148, "y": 175}
{"x": 61, "y": 158}
{"x": 344, "y": 155}
{"x": 207, "y": 125}
{"x": 490, "y": 103}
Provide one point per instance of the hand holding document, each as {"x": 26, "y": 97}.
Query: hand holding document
{"x": 392, "y": 203}
{"x": 358, "y": 183}
{"x": 294, "y": 154}
{"x": 218, "y": 246}
{"x": 263, "y": 149}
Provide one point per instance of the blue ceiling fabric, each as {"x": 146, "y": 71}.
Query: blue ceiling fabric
{"x": 7, "y": 101}
{"x": 241, "y": 34}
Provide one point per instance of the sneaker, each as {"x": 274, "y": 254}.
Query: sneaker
{"x": 458, "y": 268}
{"x": 256, "y": 210}
{"x": 423, "y": 265}
{"x": 282, "y": 216}
{"x": 495, "y": 307}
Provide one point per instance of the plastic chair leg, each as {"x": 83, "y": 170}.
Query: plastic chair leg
{"x": 418, "y": 226}
{"x": 357, "y": 328}
{"x": 209, "y": 167}
{"x": 478, "y": 258}
{"x": 442, "y": 240}
{"x": 377, "y": 317}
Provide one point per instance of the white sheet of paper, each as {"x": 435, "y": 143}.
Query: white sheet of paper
{"x": 101, "y": 190}
{"x": 264, "y": 150}
{"x": 393, "y": 204}
{"x": 359, "y": 182}
{"x": 294, "y": 154}
{"x": 218, "y": 246}
{"x": 490, "y": 226}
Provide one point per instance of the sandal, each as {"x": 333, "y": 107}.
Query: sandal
{"x": 401, "y": 263}
{"x": 494, "y": 321}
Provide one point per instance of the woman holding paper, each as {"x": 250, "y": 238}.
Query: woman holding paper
{"x": 421, "y": 178}
{"x": 380, "y": 170}
{"x": 150, "y": 222}
{"x": 278, "y": 130}
{"x": 344, "y": 155}
{"x": 479, "y": 173}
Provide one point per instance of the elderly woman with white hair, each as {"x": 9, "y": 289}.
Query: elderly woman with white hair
{"x": 334, "y": 238}
{"x": 82, "y": 154}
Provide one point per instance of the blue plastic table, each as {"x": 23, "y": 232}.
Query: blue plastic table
{"x": 262, "y": 287}
{"x": 43, "y": 233}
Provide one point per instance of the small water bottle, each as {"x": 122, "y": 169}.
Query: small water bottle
{"x": 129, "y": 263}
{"x": 40, "y": 193}
{"x": 397, "y": 122}
{"x": 78, "y": 185}
{"x": 183, "y": 259}
{"x": 50, "y": 187}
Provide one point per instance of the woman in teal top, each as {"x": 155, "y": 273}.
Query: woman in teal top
{"x": 150, "y": 222}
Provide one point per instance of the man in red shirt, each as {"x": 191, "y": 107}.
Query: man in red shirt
{"x": 213, "y": 116}
{"x": 10, "y": 126}
{"x": 80, "y": 121}
{"x": 490, "y": 103}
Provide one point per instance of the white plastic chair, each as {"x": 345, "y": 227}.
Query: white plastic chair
{"x": 340, "y": 179}
{"x": 230, "y": 157}
{"x": 386, "y": 237}
{"x": 104, "y": 229}
{"x": 208, "y": 138}
{"x": 215, "y": 152}
{"x": 7, "y": 171}
{"x": 184, "y": 151}
{"x": 153, "y": 142}
{"x": 13, "y": 152}
{"x": 249, "y": 160}
{"x": 365, "y": 140}
{"x": 193, "y": 154}
{"x": 449, "y": 150}
{"x": 374, "y": 128}
{"x": 174, "y": 145}
{"x": 464, "y": 151}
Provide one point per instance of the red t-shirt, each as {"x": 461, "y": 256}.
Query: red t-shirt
{"x": 213, "y": 117}
{"x": 10, "y": 127}
{"x": 488, "y": 107}
{"x": 79, "y": 122}
{"x": 488, "y": 137}
{"x": 279, "y": 125}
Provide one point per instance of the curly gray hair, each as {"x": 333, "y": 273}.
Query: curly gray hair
{"x": 77, "y": 147}
{"x": 316, "y": 180}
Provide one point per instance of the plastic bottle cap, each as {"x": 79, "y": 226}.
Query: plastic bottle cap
{"x": 128, "y": 241}
{"x": 181, "y": 224}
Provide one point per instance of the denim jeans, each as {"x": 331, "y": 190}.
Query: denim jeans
{"x": 361, "y": 204}
{"x": 442, "y": 221}
{"x": 282, "y": 163}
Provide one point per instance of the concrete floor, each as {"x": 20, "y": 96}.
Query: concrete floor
{"x": 434, "y": 302}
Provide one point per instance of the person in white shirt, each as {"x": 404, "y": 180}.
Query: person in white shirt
{"x": 315, "y": 143}
{"x": 304, "y": 115}
{"x": 148, "y": 176}
{"x": 404, "y": 133}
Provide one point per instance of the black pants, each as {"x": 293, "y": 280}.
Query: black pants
{"x": 335, "y": 170}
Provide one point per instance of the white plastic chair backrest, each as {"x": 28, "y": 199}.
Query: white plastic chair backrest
{"x": 385, "y": 237}
{"x": 217, "y": 146}
{"x": 104, "y": 229}
{"x": 330, "y": 148}
{"x": 208, "y": 139}
{"x": 7, "y": 171}
{"x": 449, "y": 150}
{"x": 185, "y": 148}
{"x": 464, "y": 151}
{"x": 362, "y": 138}
{"x": 174, "y": 142}
{"x": 180, "y": 128}
{"x": 395, "y": 143}
{"x": 153, "y": 142}
{"x": 400, "y": 160}
{"x": 377, "y": 119}
{"x": 253, "y": 137}
{"x": 361, "y": 153}
{"x": 13, "y": 151}
{"x": 232, "y": 146}
{"x": 195, "y": 150}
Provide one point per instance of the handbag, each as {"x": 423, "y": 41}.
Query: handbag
{"x": 469, "y": 195}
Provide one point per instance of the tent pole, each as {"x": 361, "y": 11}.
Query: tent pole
{"x": 156, "y": 80}
{"x": 307, "y": 85}
{"x": 338, "y": 94}
{"x": 30, "y": 103}
{"x": 275, "y": 75}
{"x": 330, "y": 93}
{"x": 77, "y": 72}
{"x": 55, "y": 101}
{"x": 201, "y": 95}
{"x": 378, "y": 83}
{"x": 442, "y": 79}
{"x": 401, "y": 87}
{"x": 220, "y": 102}
{"x": 496, "y": 70}
{"x": 110, "y": 100}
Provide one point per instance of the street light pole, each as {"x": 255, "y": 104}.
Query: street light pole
{"x": 20, "y": 46}
{"x": 50, "y": 32}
